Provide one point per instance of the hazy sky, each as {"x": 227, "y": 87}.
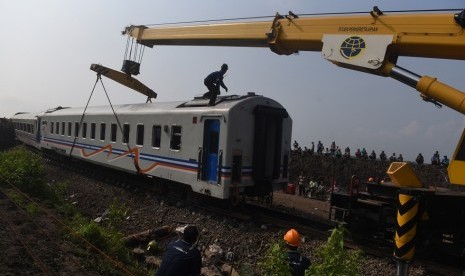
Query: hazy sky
{"x": 47, "y": 48}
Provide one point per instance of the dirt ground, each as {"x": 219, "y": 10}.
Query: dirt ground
{"x": 243, "y": 242}
{"x": 302, "y": 204}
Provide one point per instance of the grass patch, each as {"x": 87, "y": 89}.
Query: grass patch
{"x": 25, "y": 170}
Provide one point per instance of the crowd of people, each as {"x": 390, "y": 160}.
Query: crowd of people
{"x": 335, "y": 151}
{"x": 312, "y": 187}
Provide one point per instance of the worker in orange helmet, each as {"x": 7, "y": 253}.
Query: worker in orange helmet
{"x": 297, "y": 262}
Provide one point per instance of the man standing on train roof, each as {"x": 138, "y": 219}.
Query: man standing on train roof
{"x": 213, "y": 82}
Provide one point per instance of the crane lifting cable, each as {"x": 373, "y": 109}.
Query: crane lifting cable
{"x": 130, "y": 151}
{"x": 132, "y": 56}
{"x": 124, "y": 79}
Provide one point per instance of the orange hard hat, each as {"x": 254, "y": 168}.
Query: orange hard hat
{"x": 370, "y": 179}
{"x": 292, "y": 237}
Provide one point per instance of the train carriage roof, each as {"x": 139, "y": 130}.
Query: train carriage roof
{"x": 26, "y": 115}
{"x": 223, "y": 105}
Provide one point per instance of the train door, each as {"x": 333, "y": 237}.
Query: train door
{"x": 38, "y": 130}
{"x": 211, "y": 137}
{"x": 267, "y": 146}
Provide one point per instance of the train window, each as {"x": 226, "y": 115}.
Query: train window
{"x": 140, "y": 135}
{"x": 156, "y": 136}
{"x": 62, "y": 128}
{"x": 57, "y": 126}
{"x": 51, "y": 127}
{"x": 102, "y": 131}
{"x": 126, "y": 133}
{"x": 92, "y": 131}
{"x": 84, "y": 130}
{"x": 76, "y": 129}
{"x": 113, "y": 132}
{"x": 175, "y": 143}
{"x": 32, "y": 129}
{"x": 69, "y": 129}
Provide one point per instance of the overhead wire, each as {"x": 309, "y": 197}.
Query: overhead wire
{"x": 301, "y": 14}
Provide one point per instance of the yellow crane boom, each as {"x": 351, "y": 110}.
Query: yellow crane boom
{"x": 416, "y": 35}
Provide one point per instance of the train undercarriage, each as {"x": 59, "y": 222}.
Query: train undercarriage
{"x": 372, "y": 210}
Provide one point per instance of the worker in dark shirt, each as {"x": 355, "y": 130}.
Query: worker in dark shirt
{"x": 297, "y": 262}
{"x": 213, "y": 82}
{"x": 182, "y": 258}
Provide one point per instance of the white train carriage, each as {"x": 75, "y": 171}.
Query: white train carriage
{"x": 27, "y": 128}
{"x": 239, "y": 145}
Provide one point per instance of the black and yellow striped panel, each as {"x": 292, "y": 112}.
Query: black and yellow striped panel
{"x": 406, "y": 227}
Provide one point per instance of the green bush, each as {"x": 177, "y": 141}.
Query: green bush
{"x": 333, "y": 259}
{"x": 23, "y": 169}
{"x": 275, "y": 260}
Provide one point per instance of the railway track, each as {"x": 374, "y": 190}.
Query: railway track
{"x": 36, "y": 248}
{"x": 308, "y": 224}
